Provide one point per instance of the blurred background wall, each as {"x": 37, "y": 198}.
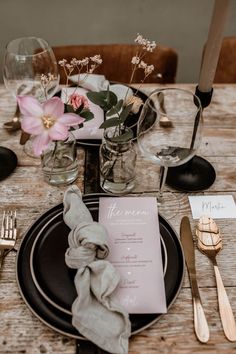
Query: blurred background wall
{"x": 181, "y": 24}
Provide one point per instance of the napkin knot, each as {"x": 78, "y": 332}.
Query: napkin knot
{"x": 86, "y": 244}
{"x": 95, "y": 312}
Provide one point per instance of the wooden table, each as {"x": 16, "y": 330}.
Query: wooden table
{"x": 25, "y": 190}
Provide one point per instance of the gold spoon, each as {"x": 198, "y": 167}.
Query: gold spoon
{"x": 14, "y": 124}
{"x": 210, "y": 243}
{"x": 164, "y": 120}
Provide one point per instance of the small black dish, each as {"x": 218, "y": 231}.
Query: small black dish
{"x": 8, "y": 162}
{"x": 194, "y": 176}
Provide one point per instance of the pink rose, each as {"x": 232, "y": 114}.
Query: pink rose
{"x": 76, "y": 101}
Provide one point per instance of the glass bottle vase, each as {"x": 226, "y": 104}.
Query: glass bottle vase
{"x": 117, "y": 165}
{"x": 60, "y": 163}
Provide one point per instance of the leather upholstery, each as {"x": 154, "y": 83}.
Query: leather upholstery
{"x": 116, "y": 64}
{"x": 226, "y": 67}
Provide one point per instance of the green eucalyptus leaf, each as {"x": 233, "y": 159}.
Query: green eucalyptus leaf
{"x": 115, "y": 109}
{"x": 126, "y": 136}
{"x": 87, "y": 114}
{"x": 111, "y": 99}
{"x": 105, "y": 99}
{"x": 126, "y": 111}
{"x": 111, "y": 122}
{"x": 111, "y": 112}
{"x": 99, "y": 98}
{"x": 69, "y": 108}
{"x": 119, "y": 104}
{"x": 79, "y": 110}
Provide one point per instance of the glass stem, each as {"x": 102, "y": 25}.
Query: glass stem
{"x": 163, "y": 174}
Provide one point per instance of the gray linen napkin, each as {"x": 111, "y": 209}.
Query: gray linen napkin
{"x": 91, "y": 82}
{"x": 95, "y": 314}
{"x": 96, "y": 82}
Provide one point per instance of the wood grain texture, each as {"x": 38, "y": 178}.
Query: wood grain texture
{"x": 25, "y": 190}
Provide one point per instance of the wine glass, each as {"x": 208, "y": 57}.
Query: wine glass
{"x": 26, "y": 60}
{"x": 169, "y": 133}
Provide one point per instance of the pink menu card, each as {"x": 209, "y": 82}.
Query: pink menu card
{"x": 135, "y": 251}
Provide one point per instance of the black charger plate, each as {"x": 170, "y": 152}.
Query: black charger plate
{"x": 8, "y": 162}
{"x": 61, "y": 321}
{"x": 53, "y": 279}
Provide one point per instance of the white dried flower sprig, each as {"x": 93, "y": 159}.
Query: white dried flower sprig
{"x": 145, "y": 43}
{"x": 144, "y": 46}
{"x": 46, "y": 80}
{"x": 86, "y": 66}
{"x": 87, "y": 63}
{"x": 137, "y": 61}
{"x": 148, "y": 69}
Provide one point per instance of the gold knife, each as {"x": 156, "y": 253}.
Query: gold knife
{"x": 200, "y": 322}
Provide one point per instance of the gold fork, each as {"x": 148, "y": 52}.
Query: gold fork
{"x": 8, "y": 233}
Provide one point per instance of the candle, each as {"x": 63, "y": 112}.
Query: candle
{"x": 213, "y": 45}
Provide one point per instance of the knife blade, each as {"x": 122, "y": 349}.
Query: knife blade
{"x": 200, "y": 322}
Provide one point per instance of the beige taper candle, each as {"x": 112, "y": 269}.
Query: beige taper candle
{"x": 213, "y": 45}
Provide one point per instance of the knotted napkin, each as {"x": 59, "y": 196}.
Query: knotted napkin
{"x": 94, "y": 312}
{"x": 95, "y": 82}
{"x": 91, "y": 82}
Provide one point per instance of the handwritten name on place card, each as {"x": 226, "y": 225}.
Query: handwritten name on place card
{"x": 214, "y": 206}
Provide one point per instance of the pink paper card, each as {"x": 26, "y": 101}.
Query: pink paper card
{"x": 135, "y": 251}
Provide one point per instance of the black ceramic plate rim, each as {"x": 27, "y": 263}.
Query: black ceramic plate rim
{"x": 4, "y": 151}
{"x": 93, "y": 195}
{"x": 41, "y": 291}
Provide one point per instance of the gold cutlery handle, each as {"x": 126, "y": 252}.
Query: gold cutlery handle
{"x": 200, "y": 322}
{"x": 226, "y": 313}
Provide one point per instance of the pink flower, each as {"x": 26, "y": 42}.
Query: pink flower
{"x": 45, "y": 122}
{"x": 76, "y": 101}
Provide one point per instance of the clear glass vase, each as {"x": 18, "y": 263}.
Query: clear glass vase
{"x": 60, "y": 163}
{"x": 117, "y": 165}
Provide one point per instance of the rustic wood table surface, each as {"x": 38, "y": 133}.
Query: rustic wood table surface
{"x": 25, "y": 191}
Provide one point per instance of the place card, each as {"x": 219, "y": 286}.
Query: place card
{"x": 135, "y": 251}
{"x": 214, "y": 206}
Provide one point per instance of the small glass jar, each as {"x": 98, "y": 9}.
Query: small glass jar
{"x": 117, "y": 165}
{"x": 59, "y": 162}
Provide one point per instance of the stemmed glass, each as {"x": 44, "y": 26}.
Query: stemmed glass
{"x": 169, "y": 133}
{"x": 25, "y": 60}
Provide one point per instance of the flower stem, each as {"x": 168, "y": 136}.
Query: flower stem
{"x": 54, "y": 158}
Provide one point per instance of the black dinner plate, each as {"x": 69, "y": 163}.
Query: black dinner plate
{"x": 53, "y": 279}
{"x": 8, "y": 162}
{"x": 61, "y": 321}
{"x": 131, "y": 121}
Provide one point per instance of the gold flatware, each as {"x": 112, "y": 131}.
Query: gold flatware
{"x": 8, "y": 234}
{"x": 200, "y": 322}
{"x": 210, "y": 243}
{"x": 164, "y": 120}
